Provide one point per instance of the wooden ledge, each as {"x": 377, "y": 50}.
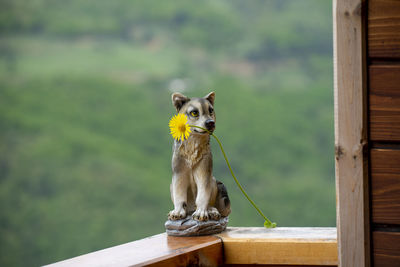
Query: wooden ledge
{"x": 282, "y": 245}
{"x": 235, "y": 246}
{"x": 158, "y": 250}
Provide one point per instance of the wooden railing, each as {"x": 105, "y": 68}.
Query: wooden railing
{"x": 237, "y": 246}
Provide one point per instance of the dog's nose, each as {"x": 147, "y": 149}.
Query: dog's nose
{"x": 210, "y": 125}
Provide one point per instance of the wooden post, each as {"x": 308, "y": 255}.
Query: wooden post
{"x": 351, "y": 133}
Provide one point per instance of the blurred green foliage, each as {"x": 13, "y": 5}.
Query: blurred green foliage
{"x": 85, "y": 101}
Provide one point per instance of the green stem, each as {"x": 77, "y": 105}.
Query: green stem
{"x": 267, "y": 222}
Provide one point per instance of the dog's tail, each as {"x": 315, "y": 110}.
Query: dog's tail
{"x": 223, "y": 204}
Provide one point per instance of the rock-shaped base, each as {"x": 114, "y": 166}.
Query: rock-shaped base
{"x": 190, "y": 227}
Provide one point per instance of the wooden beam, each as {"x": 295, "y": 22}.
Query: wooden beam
{"x": 384, "y": 29}
{"x": 385, "y": 186}
{"x": 235, "y": 247}
{"x": 158, "y": 250}
{"x": 351, "y": 132}
{"x": 288, "y": 246}
{"x": 386, "y": 249}
{"x": 384, "y": 102}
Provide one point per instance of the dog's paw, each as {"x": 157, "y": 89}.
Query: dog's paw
{"x": 200, "y": 215}
{"x": 177, "y": 214}
{"x": 205, "y": 215}
{"x": 213, "y": 214}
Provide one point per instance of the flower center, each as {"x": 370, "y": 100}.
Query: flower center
{"x": 182, "y": 128}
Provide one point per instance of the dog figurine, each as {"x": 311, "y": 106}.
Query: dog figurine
{"x": 194, "y": 190}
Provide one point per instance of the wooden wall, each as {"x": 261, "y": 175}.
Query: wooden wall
{"x": 383, "y": 43}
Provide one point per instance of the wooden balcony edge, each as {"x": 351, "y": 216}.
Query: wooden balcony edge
{"x": 280, "y": 246}
{"x": 235, "y": 246}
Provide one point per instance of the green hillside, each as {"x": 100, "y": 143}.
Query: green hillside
{"x": 85, "y": 102}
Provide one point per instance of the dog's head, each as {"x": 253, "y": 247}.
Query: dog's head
{"x": 199, "y": 111}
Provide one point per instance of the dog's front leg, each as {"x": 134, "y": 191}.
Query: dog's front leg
{"x": 206, "y": 192}
{"x": 179, "y": 187}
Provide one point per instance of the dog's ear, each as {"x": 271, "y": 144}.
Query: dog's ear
{"x": 179, "y": 100}
{"x": 210, "y": 97}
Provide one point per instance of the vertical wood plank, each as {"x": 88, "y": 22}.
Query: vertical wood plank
{"x": 384, "y": 102}
{"x": 351, "y": 133}
{"x": 386, "y": 249}
{"x": 384, "y": 29}
{"x": 385, "y": 186}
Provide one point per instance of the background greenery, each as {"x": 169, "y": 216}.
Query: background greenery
{"x": 85, "y": 101}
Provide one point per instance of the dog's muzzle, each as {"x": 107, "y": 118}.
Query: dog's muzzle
{"x": 210, "y": 125}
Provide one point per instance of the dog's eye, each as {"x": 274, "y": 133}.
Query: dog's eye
{"x": 211, "y": 110}
{"x": 194, "y": 113}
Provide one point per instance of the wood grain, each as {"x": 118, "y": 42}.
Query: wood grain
{"x": 238, "y": 245}
{"x": 351, "y": 132}
{"x": 386, "y": 249}
{"x": 158, "y": 250}
{"x": 288, "y": 246}
{"x": 384, "y": 28}
{"x": 384, "y": 102}
{"x": 385, "y": 186}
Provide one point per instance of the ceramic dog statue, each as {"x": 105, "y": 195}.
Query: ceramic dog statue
{"x": 194, "y": 190}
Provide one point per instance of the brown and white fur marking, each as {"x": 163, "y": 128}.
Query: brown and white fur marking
{"x": 194, "y": 189}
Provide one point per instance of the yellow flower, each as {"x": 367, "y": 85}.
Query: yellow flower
{"x": 180, "y": 130}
